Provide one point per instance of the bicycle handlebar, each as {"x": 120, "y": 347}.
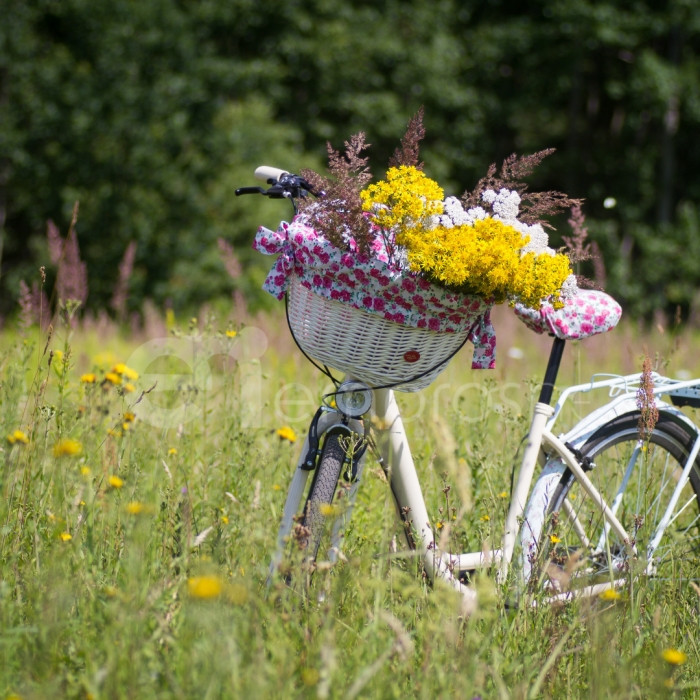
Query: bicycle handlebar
{"x": 283, "y": 185}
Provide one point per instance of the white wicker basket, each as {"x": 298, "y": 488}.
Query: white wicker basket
{"x": 366, "y": 346}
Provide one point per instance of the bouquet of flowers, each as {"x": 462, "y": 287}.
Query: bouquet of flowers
{"x": 492, "y": 244}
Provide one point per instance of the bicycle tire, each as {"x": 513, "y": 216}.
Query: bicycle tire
{"x": 546, "y": 545}
{"x": 322, "y": 492}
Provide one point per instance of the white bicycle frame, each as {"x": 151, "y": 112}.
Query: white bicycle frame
{"x": 541, "y": 444}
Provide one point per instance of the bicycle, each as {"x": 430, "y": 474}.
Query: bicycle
{"x": 567, "y": 557}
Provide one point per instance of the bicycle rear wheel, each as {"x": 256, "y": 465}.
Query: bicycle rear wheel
{"x": 565, "y": 541}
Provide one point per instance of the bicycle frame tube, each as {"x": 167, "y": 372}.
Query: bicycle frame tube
{"x": 407, "y": 492}
{"x": 522, "y": 487}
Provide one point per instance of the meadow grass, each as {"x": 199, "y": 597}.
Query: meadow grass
{"x": 135, "y": 557}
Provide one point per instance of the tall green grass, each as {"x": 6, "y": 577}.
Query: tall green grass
{"x": 137, "y": 568}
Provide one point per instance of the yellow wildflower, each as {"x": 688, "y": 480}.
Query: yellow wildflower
{"x": 554, "y": 539}
{"x": 67, "y": 448}
{"x": 129, "y": 388}
{"x": 237, "y": 594}
{"x": 113, "y": 378}
{"x": 407, "y": 199}
{"x": 121, "y": 369}
{"x": 129, "y": 417}
{"x": 66, "y": 536}
{"x": 503, "y": 494}
{"x": 224, "y": 519}
{"x": 439, "y": 525}
{"x": 326, "y": 510}
{"x": 610, "y": 594}
{"x": 674, "y": 657}
{"x": 485, "y": 259}
{"x": 104, "y": 359}
{"x": 286, "y": 433}
{"x": 125, "y": 426}
{"x": 115, "y": 482}
{"x": 205, "y": 587}
{"x": 85, "y": 471}
{"x": 276, "y": 487}
{"x": 58, "y": 354}
{"x": 485, "y": 518}
{"x": 310, "y": 676}
{"x": 88, "y": 378}
{"x": 135, "y": 508}
{"x": 169, "y": 318}
{"x": 17, "y": 436}
{"x": 172, "y": 451}
{"x": 231, "y": 334}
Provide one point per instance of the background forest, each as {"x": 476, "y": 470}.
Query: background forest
{"x": 152, "y": 113}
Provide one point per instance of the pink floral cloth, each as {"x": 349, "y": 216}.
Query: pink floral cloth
{"x": 588, "y": 313}
{"x": 372, "y": 284}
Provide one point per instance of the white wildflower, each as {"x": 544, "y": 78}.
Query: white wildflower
{"x": 539, "y": 240}
{"x": 489, "y": 196}
{"x": 454, "y": 209}
{"x": 570, "y": 288}
{"x": 475, "y": 214}
{"x": 506, "y": 205}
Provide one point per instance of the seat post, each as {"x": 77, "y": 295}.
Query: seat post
{"x": 550, "y": 376}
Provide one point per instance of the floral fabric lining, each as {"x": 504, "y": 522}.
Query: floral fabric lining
{"x": 588, "y": 313}
{"x": 371, "y": 284}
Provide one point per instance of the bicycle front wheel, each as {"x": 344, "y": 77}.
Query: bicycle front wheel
{"x": 566, "y": 543}
{"x": 319, "y": 509}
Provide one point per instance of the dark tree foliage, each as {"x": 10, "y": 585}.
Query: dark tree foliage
{"x": 151, "y": 113}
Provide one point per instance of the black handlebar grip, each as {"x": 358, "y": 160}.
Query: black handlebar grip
{"x": 249, "y": 190}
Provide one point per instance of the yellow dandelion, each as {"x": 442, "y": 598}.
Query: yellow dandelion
{"x": 310, "y": 676}
{"x": 115, "y": 482}
{"x": 326, "y": 510}
{"x": 129, "y": 388}
{"x": 610, "y": 594}
{"x": 58, "y": 354}
{"x": 129, "y": 417}
{"x": 286, "y": 433}
{"x": 88, "y": 378}
{"x": 503, "y": 494}
{"x": 224, "y": 520}
{"x": 67, "y": 448}
{"x": 85, "y": 471}
{"x": 126, "y": 426}
{"x": 113, "y": 433}
{"x": 113, "y": 378}
{"x": 231, "y": 334}
{"x": 17, "y": 436}
{"x": 119, "y": 368}
{"x": 135, "y": 508}
{"x": 131, "y": 374}
{"x": 674, "y": 657}
{"x": 104, "y": 359}
{"x": 172, "y": 451}
{"x": 237, "y": 594}
{"x": 439, "y": 525}
{"x": 205, "y": 587}
{"x": 485, "y": 518}
{"x": 554, "y": 539}
{"x": 66, "y": 536}
{"x": 276, "y": 487}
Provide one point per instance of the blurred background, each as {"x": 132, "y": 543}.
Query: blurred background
{"x": 152, "y": 113}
